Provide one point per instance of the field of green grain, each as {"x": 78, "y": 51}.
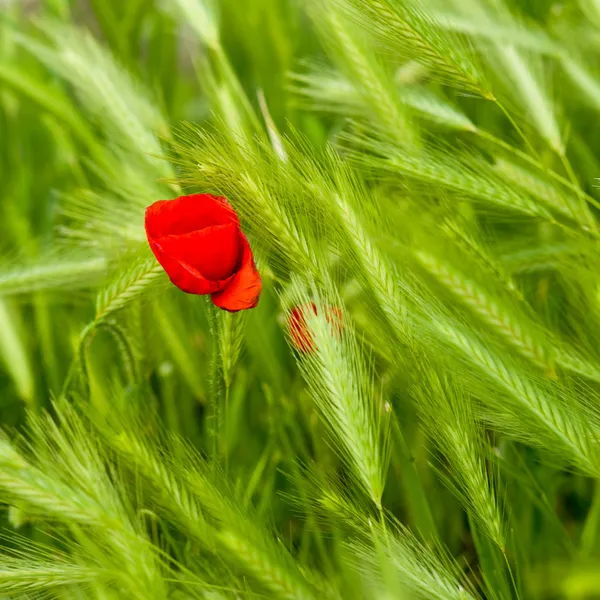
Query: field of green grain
{"x": 423, "y": 173}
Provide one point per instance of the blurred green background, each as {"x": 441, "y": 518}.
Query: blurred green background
{"x": 476, "y": 143}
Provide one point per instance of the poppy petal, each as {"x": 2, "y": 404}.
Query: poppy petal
{"x": 214, "y": 251}
{"x": 186, "y": 214}
{"x": 299, "y": 333}
{"x": 186, "y": 277}
{"x": 243, "y": 291}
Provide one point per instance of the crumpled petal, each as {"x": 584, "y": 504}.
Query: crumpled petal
{"x": 300, "y": 335}
{"x": 186, "y": 277}
{"x": 188, "y": 213}
{"x": 214, "y": 251}
{"x": 243, "y": 291}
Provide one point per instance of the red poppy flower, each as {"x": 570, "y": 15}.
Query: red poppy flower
{"x": 198, "y": 241}
{"x": 299, "y": 333}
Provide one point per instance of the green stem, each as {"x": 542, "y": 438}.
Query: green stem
{"x": 517, "y": 128}
{"x": 582, "y": 196}
{"x": 213, "y": 417}
{"x": 591, "y": 527}
{"x": 78, "y": 362}
{"x": 511, "y": 574}
{"x": 498, "y": 583}
{"x": 125, "y": 349}
{"x": 79, "y": 365}
{"x": 231, "y": 77}
{"x": 416, "y": 496}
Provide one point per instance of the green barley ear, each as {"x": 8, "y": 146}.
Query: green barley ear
{"x": 196, "y": 498}
{"x": 62, "y": 474}
{"x": 387, "y": 558}
{"x": 264, "y": 190}
{"x": 133, "y": 279}
{"x": 522, "y": 76}
{"x": 408, "y": 33}
{"x": 111, "y": 216}
{"x": 342, "y": 385}
{"x": 394, "y": 562}
{"x": 355, "y": 56}
{"x": 319, "y": 88}
{"x": 450, "y": 423}
{"x": 556, "y": 419}
{"x": 459, "y": 173}
{"x": 501, "y": 306}
{"x": 46, "y": 572}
